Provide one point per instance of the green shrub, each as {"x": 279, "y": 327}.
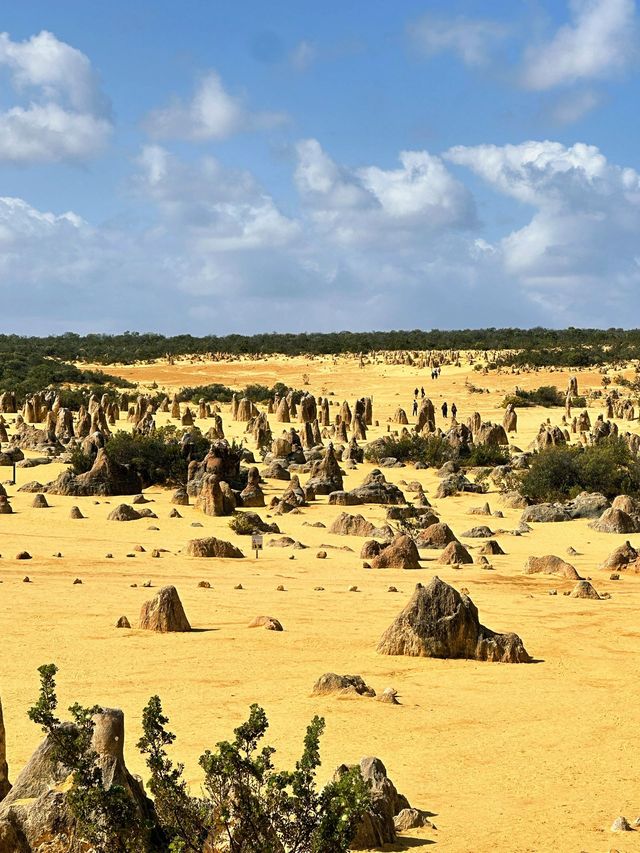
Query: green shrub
{"x": 546, "y": 395}
{"x": 432, "y": 450}
{"x": 562, "y": 472}
{"x": 157, "y": 458}
{"x": 484, "y": 454}
{"x": 246, "y": 804}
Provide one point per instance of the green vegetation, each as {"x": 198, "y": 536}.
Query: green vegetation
{"x": 563, "y": 472}
{"x": 433, "y": 451}
{"x": 546, "y": 395}
{"x": 29, "y": 372}
{"x": 223, "y": 394}
{"x": 543, "y": 347}
{"x": 158, "y": 458}
{"x": 246, "y": 804}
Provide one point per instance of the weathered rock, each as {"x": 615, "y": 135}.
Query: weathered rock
{"x": 267, "y": 622}
{"x": 480, "y": 532}
{"x": 105, "y": 478}
{"x": 491, "y": 546}
{"x": 550, "y": 565}
{"x": 212, "y": 547}
{"x": 124, "y": 512}
{"x": 545, "y": 513}
{"x": 614, "y": 521}
{"x": 587, "y": 505}
{"x": 436, "y": 536}
{"x": 123, "y": 622}
{"x": 455, "y": 554}
{"x": 330, "y": 682}
{"x": 5, "y": 785}
{"x": 352, "y": 525}
{"x": 164, "y": 612}
{"x": 623, "y": 556}
{"x": 376, "y": 827}
{"x": 439, "y": 622}
{"x": 583, "y": 589}
{"x": 401, "y": 553}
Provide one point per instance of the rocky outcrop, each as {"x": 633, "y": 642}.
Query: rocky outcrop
{"x": 614, "y": 520}
{"x": 212, "y": 547}
{"x": 164, "y": 612}
{"x": 623, "y": 557}
{"x": 35, "y": 816}
{"x": 401, "y": 553}
{"x": 104, "y": 478}
{"x": 545, "y": 513}
{"x": 440, "y": 622}
{"x": 550, "y": 565}
{"x": 344, "y": 685}
{"x": 436, "y": 536}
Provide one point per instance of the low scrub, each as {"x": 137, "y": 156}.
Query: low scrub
{"x": 432, "y": 450}
{"x": 545, "y": 395}
{"x": 244, "y": 805}
{"x": 560, "y": 473}
{"x": 158, "y": 458}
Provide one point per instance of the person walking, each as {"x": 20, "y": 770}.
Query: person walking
{"x": 444, "y": 409}
{"x": 415, "y": 407}
{"x": 415, "y": 393}
{"x": 422, "y": 392}
{"x": 454, "y": 410}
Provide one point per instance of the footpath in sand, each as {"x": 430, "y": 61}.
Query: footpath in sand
{"x": 514, "y": 758}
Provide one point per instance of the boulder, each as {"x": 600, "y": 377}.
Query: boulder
{"x": 622, "y": 557}
{"x": 440, "y": 622}
{"x": 401, "y": 553}
{"x": 104, "y": 478}
{"x": 491, "y": 546}
{"x": 164, "y": 612}
{"x": 587, "y": 505}
{"x": 212, "y": 547}
{"x": 480, "y": 532}
{"x": 455, "y": 554}
{"x": 267, "y": 622}
{"x": 436, "y": 535}
{"x": 550, "y": 565}
{"x": 614, "y": 521}
{"x": 545, "y": 513}
{"x": 124, "y": 512}
{"x": 583, "y": 589}
{"x": 377, "y": 827}
{"x": 330, "y": 682}
{"x": 352, "y": 525}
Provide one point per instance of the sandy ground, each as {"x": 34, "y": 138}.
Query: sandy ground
{"x": 515, "y": 758}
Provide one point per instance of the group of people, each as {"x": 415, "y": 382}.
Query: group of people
{"x": 436, "y": 372}
{"x": 444, "y": 408}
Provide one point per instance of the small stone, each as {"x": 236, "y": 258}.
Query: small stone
{"x": 196, "y": 524}
{"x": 366, "y": 565}
{"x": 139, "y": 549}
{"x": 318, "y": 589}
{"x": 155, "y": 553}
{"x": 133, "y": 584}
{"x": 123, "y": 622}
{"x": 147, "y": 584}
{"x": 238, "y": 586}
{"x": 392, "y": 589}
{"x": 108, "y": 556}
{"x": 23, "y": 555}
{"x": 321, "y": 555}
{"x": 614, "y": 577}
{"x": 280, "y": 588}
{"x": 621, "y": 824}
{"x": 353, "y": 589}
{"x": 77, "y": 580}
{"x": 26, "y": 579}
{"x": 204, "y": 584}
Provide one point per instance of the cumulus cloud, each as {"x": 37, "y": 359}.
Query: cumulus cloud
{"x": 580, "y": 248}
{"x": 67, "y": 117}
{"x": 471, "y": 39}
{"x": 598, "y": 43}
{"x": 211, "y": 113}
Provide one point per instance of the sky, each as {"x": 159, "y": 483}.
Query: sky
{"x": 238, "y": 167}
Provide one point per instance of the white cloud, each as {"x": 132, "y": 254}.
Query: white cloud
{"x": 472, "y": 40}
{"x": 598, "y": 43}
{"x": 577, "y": 254}
{"x": 212, "y": 113}
{"x": 66, "y": 117}
{"x": 572, "y": 106}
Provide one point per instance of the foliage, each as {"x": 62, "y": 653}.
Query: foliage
{"x": 432, "y": 450}
{"x": 158, "y": 458}
{"x": 485, "y": 454}
{"x": 106, "y": 817}
{"x": 80, "y": 461}
{"x": 27, "y": 372}
{"x": 520, "y": 347}
{"x": 247, "y": 804}
{"x": 562, "y": 472}
{"x": 546, "y": 395}
{"x": 223, "y": 394}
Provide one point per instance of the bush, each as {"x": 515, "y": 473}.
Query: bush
{"x": 432, "y": 450}
{"x": 563, "y": 472}
{"x": 546, "y": 395}
{"x": 246, "y": 805}
{"x": 157, "y": 458}
{"x": 484, "y": 454}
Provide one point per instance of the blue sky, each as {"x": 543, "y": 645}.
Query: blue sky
{"x": 238, "y": 167}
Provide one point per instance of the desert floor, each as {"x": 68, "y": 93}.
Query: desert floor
{"x": 537, "y": 757}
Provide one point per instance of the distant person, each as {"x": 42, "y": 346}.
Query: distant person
{"x": 422, "y": 392}
{"x": 454, "y": 410}
{"x": 444, "y": 409}
{"x": 415, "y": 407}
{"x": 415, "y": 393}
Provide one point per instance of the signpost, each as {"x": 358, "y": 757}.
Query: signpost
{"x": 256, "y": 542}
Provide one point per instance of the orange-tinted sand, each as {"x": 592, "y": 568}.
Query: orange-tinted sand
{"x": 514, "y": 758}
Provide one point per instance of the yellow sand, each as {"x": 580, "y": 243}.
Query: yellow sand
{"x": 512, "y": 758}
